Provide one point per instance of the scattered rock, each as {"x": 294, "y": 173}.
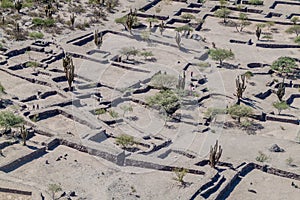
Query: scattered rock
{"x": 47, "y": 162}
{"x": 63, "y": 194}
{"x": 276, "y": 148}
{"x": 253, "y": 191}
{"x": 58, "y": 159}
{"x": 72, "y": 194}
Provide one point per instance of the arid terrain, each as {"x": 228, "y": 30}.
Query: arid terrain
{"x": 149, "y": 99}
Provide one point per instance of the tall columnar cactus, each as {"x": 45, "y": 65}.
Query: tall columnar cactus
{"x": 18, "y": 5}
{"x": 162, "y": 27}
{"x": 178, "y": 39}
{"x": 240, "y": 86}
{"x": 69, "y": 70}
{"x": 130, "y": 20}
{"x": 98, "y": 40}
{"x": 24, "y": 134}
{"x": 258, "y": 32}
{"x": 281, "y": 91}
{"x": 48, "y": 10}
{"x": 215, "y": 154}
{"x": 72, "y": 20}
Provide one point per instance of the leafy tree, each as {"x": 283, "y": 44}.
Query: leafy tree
{"x": 129, "y": 51}
{"x": 284, "y": 65}
{"x": 125, "y": 141}
{"x": 295, "y": 20}
{"x": 53, "y": 189}
{"x": 9, "y": 120}
{"x": 220, "y": 55}
{"x": 185, "y": 28}
{"x": 294, "y": 29}
{"x": 239, "y": 111}
{"x": 166, "y": 100}
{"x": 280, "y": 106}
{"x": 243, "y": 22}
{"x": 297, "y": 40}
{"x": 126, "y": 108}
{"x": 163, "y": 81}
{"x": 223, "y": 13}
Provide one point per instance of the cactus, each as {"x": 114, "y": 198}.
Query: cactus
{"x": 162, "y": 27}
{"x": 181, "y": 81}
{"x": 215, "y": 154}
{"x": 281, "y": 91}
{"x": 48, "y": 10}
{"x": 178, "y": 39}
{"x": 130, "y": 20}
{"x": 240, "y": 86}
{"x": 72, "y": 20}
{"x": 18, "y": 5}
{"x": 258, "y": 32}
{"x": 24, "y": 134}
{"x": 69, "y": 70}
{"x": 98, "y": 40}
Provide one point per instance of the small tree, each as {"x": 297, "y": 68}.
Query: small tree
{"x": 223, "y": 13}
{"x": 238, "y": 111}
{"x": 129, "y": 51}
{"x": 295, "y": 29}
{"x": 180, "y": 174}
{"x": 284, "y": 65}
{"x": 126, "y": 108}
{"x": 125, "y": 141}
{"x": 243, "y": 22}
{"x": 166, "y": 100}
{"x": 280, "y": 106}
{"x": 220, "y": 55}
{"x": 215, "y": 154}
{"x": 53, "y": 189}
{"x": 9, "y": 120}
{"x": 295, "y": 20}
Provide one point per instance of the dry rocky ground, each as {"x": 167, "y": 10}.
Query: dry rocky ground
{"x": 73, "y": 135}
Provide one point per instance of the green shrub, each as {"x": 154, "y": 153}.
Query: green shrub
{"x": 125, "y": 141}
{"x": 36, "y": 35}
{"x": 256, "y": 2}
{"x": 43, "y": 22}
{"x": 262, "y": 157}
{"x": 166, "y": 100}
{"x": 99, "y": 111}
{"x": 7, "y": 4}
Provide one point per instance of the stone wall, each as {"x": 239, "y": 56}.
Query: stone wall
{"x": 23, "y": 160}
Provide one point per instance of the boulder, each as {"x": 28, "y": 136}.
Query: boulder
{"x": 276, "y": 148}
